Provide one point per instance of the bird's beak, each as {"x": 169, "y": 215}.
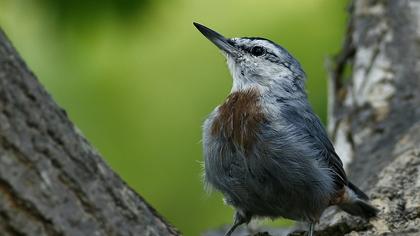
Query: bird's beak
{"x": 218, "y": 39}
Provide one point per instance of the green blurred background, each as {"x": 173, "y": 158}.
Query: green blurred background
{"x": 138, "y": 79}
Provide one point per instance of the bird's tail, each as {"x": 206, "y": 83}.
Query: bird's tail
{"x": 356, "y": 203}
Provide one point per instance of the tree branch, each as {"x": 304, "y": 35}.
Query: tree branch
{"x": 52, "y": 181}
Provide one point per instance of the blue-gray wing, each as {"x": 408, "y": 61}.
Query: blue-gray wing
{"x": 307, "y": 126}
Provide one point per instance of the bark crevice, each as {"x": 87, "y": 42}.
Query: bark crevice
{"x": 52, "y": 181}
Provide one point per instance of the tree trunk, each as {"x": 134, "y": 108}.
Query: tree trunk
{"x": 375, "y": 113}
{"x": 52, "y": 181}
{"x": 374, "y": 117}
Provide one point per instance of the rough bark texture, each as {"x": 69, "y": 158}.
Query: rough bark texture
{"x": 375, "y": 113}
{"x": 52, "y": 181}
{"x": 374, "y": 117}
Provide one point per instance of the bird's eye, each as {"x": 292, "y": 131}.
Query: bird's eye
{"x": 257, "y": 51}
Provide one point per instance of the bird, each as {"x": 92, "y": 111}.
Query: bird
{"x": 265, "y": 149}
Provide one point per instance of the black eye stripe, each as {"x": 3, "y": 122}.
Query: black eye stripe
{"x": 269, "y": 55}
{"x": 284, "y": 59}
{"x": 243, "y": 48}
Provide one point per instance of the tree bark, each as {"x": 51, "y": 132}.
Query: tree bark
{"x": 374, "y": 117}
{"x": 52, "y": 181}
{"x": 375, "y": 113}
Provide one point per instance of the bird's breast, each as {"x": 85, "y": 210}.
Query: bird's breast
{"x": 239, "y": 118}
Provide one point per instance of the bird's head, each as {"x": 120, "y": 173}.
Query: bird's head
{"x": 259, "y": 62}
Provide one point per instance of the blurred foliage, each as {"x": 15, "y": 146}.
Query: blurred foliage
{"x": 87, "y": 10}
{"x": 138, "y": 79}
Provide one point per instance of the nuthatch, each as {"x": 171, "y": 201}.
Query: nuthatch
{"x": 264, "y": 148}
